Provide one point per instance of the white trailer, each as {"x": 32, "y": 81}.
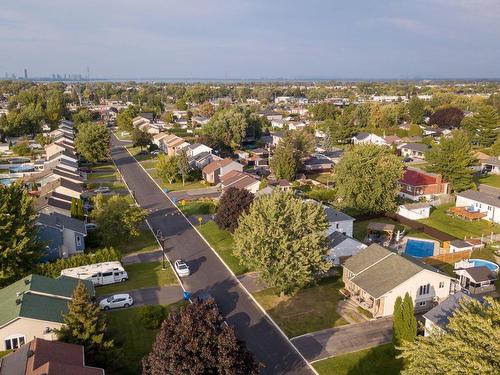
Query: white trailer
{"x": 99, "y": 273}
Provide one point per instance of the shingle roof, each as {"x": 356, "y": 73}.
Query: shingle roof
{"x": 460, "y": 243}
{"x": 71, "y": 185}
{"x": 417, "y": 177}
{"x": 481, "y": 196}
{"x": 481, "y": 273}
{"x": 58, "y": 221}
{"x": 441, "y": 314}
{"x": 216, "y": 164}
{"x": 494, "y": 160}
{"x": 420, "y": 147}
{"x": 366, "y": 258}
{"x": 335, "y": 215}
{"x": 336, "y": 238}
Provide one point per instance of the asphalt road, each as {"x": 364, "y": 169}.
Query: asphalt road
{"x": 208, "y": 273}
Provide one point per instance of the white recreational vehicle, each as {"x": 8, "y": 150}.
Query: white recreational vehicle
{"x": 99, "y": 273}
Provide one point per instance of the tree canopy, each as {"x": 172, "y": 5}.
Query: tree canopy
{"x": 167, "y": 168}
{"x": 141, "y": 138}
{"x": 92, "y": 142}
{"x": 232, "y": 204}
{"x": 448, "y": 117}
{"x": 404, "y": 321}
{"x": 482, "y": 126}
{"x": 283, "y": 163}
{"x": 284, "y": 238}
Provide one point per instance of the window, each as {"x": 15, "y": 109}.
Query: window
{"x": 424, "y": 289}
{"x": 14, "y": 342}
{"x": 107, "y": 274}
{"x": 337, "y": 225}
{"x": 422, "y": 303}
{"x": 78, "y": 241}
{"x": 441, "y": 284}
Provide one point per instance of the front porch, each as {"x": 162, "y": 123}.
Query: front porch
{"x": 364, "y": 300}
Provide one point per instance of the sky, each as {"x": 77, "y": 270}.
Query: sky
{"x": 244, "y": 39}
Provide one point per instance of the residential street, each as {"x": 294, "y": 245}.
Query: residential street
{"x": 209, "y": 273}
{"x": 350, "y": 338}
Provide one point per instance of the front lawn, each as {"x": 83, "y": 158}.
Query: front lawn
{"x": 491, "y": 180}
{"x": 104, "y": 175}
{"x": 145, "y": 242}
{"x": 141, "y": 275}
{"x": 222, "y": 241}
{"x": 126, "y": 328}
{"x": 459, "y": 228}
{"x": 380, "y": 360}
{"x": 149, "y": 164}
{"x": 202, "y": 207}
{"x": 311, "y": 309}
{"x": 324, "y": 178}
{"x": 188, "y": 185}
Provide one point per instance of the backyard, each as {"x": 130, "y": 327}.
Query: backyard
{"x": 380, "y": 360}
{"x": 141, "y": 275}
{"x": 490, "y": 179}
{"x": 311, "y": 309}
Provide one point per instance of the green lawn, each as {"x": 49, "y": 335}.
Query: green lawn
{"x": 485, "y": 253}
{"x": 459, "y": 228}
{"x": 141, "y": 275}
{"x": 140, "y": 156}
{"x": 202, "y": 207}
{"x": 111, "y": 175}
{"x": 4, "y": 353}
{"x": 126, "y": 328}
{"x": 149, "y": 164}
{"x": 311, "y": 309}
{"x": 379, "y": 360}
{"x": 188, "y": 185}
{"x": 143, "y": 243}
{"x": 491, "y": 180}
{"x": 222, "y": 242}
{"x": 104, "y": 167}
{"x": 324, "y": 178}
{"x": 127, "y": 137}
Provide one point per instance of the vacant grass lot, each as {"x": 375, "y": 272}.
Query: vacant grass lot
{"x": 202, "y": 207}
{"x": 311, "y": 309}
{"x": 459, "y": 228}
{"x": 222, "y": 242}
{"x": 491, "y": 180}
{"x": 126, "y": 328}
{"x": 379, "y": 360}
{"x": 141, "y": 275}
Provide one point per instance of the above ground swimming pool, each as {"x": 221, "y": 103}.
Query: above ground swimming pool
{"x": 419, "y": 248}
{"x": 484, "y": 263}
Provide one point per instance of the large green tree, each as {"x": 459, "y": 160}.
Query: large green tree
{"x": 141, "y": 138}
{"x": 367, "y": 179}
{"x": 167, "y": 168}
{"x": 416, "y": 110}
{"x": 92, "y": 142}
{"x": 453, "y": 159}
{"x": 483, "y": 126}
{"x": 283, "y": 163}
{"x": 19, "y": 248}
{"x": 404, "y": 321}
{"x": 284, "y": 238}
{"x": 469, "y": 345}
{"x": 183, "y": 167}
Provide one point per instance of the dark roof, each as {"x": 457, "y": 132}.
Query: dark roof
{"x": 481, "y": 196}
{"x": 63, "y": 205}
{"x": 194, "y": 145}
{"x": 147, "y": 115}
{"x": 314, "y": 160}
{"x": 67, "y": 174}
{"x": 336, "y": 238}
{"x": 69, "y": 163}
{"x": 481, "y": 273}
{"x": 60, "y": 196}
{"x": 59, "y": 221}
{"x": 279, "y": 134}
{"x": 362, "y": 135}
{"x": 420, "y": 147}
{"x": 460, "y": 243}
{"x": 71, "y": 185}
{"x": 335, "y": 215}
{"x": 441, "y": 314}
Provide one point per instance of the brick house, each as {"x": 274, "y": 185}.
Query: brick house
{"x": 417, "y": 184}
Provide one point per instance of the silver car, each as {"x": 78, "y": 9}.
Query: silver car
{"x": 116, "y": 301}
{"x": 181, "y": 268}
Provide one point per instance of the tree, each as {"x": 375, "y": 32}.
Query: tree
{"x": 125, "y": 117}
{"x": 284, "y": 238}
{"x": 141, "y": 138}
{"x": 183, "y": 166}
{"x": 76, "y": 208}
{"x": 324, "y": 111}
{"x": 367, "y": 179}
{"x": 181, "y": 105}
{"x": 168, "y": 117}
{"x": 483, "y": 126}
{"x": 453, "y": 159}
{"x": 283, "y": 162}
{"x": 117, "y": 220}
{"x": 92, "y": 142}
{"x": 495, "y": 148}
{"x": 448, "y": 117}
{"x": 470, "y": 344}
{"x": 22, "y": 148}
{"x": 404, "y": 321}
{"x": 19, "y": 248}
{"x": 206, "y": 109}
{"x": 83, "y": 116}
{"x": 415, "y": 131}
{"x": 167, "y": 168}
{"x": 84, "y": 325}
{"x": 416, "y": 110}
{"x": 195, "y": 341}
{"x": 232, "y": 204}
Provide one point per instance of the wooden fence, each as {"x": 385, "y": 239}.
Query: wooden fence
{"x": 450, "y": 258}
{"x": 421, "y": 227}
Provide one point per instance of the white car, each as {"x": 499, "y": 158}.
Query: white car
{"x": 102, "y": 189}
{"x": 181, "y": 268}
{"x": 116, "y": 301}
{"x": 91, "y": 226}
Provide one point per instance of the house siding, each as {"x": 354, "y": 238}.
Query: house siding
{"x": 30, "y": 328}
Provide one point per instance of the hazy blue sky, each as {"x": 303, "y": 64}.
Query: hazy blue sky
{"x": 252, "y": 38}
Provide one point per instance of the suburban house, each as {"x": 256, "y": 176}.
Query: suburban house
{"x": 338, "y": 221}
{"x": 414, "y": 150}
{"x": 415, "y": 211}
{"x": 199, "y": 161}
{"x": 368, "y": 138}
{"x": 475, "y": 278}
{"x": 240, "y": 180}
{"x": 63, "y": 235}
{"x": 160, "y": 139}
{"x": 200, "y": 120}
{"x": 175, "y": 145}
{"x": 271, "y": 115}
{"x": 492, "y": 165}
{"x": 33, "y": 307}
{"x": 277, "y": 137}
{"x": 375, "y": 277}
{"x": 213, "y": 172}
{"x": 196, "y": 149}
{"x": 484, "y": 203}
{"x": 417, "y": 184}
{"x": 318, "y": 163}
{"x": 342, "y": 247}
{"x": 41, "y": 356}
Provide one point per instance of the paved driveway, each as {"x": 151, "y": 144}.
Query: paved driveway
{"x": 209, "y": 273}
{"x": 346, "y": 339}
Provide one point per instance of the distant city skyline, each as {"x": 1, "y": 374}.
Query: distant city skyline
{"x": 251, "y": 39}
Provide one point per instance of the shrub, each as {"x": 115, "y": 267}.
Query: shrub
{"x": 152, "y": 316}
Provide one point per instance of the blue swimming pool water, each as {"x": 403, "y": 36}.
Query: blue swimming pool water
{"x": 484, "y": 263}
{"x": 419, "y": 249}
{"x": 22, "y": 168}
{"x": 5, "y": 181}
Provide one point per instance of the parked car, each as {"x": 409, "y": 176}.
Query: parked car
{"x": 91, "y": 226}
{"x": 407, "y": 160}
{"x": 155, "y": 152}
{"x": 116, "y": 301}
{"x": 181, "y": 268}
{"x": 102, "y": 189}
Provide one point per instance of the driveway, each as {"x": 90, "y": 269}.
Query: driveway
{"x": 251, "y": 324}
{"x": 346, "y": 339}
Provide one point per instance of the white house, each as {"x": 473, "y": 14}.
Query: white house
{"x": 375, "y": 277}
{"x": 492, "y": 165}
{"x": 338, "y": 221}
{"x": 482, "y": 202}
{"x": 415, "y": 211}
{"x": 414, "y": 150}
{"x": 368, "y": 138}
{"x": 342, "y": 247}
{"x": 197, "y": 148}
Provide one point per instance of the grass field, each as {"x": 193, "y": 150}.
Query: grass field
{"x": 311, "y": 309}
{"x": 188, "y": 185}
{"x": 491, "y": 180}
{"x": 108, "y": 175}
{"x": 202, "y": 207}
{"x": 141, "y": 275}
{"x": 143, "y": 243}
{"x": 459, "y": 228}
{"x": 149, "y": 164}
{"x": 379, "y": 360}
{"x": 127, "y": 330}
{"x": 222, "y": 242}
{"x": 324, "y": 178}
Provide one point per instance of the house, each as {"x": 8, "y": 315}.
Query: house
{"x": 277, "y": 137}
{"x": 392, "y": 140}
{"x": 341, "y": 247}
{"x": 175, "y": 145}
{"x": 481, "y": 157}
{"x": 338, "y": 221}
{"x": 368, "y": 138}
{"x": 33, "y": 307}
{"x": 460, "y": 245}
{"x": 69, "y": 188}
{"x": 415, "y": 211}
{"x": 492, "y": 165}
{"x": 199, "y": 161}
{"x": 200, "y": 120}
{"x": 41, "y": 356}
{"x": 160, "y": 138}
{"x": 438, "y": 317}
{"x": 485, "y": 203}
{"x": 375, "y": 277}
{"x": 212, "y": 172}
{"x": 283, "y": 185}
{"x": 318, "y": 163}
{"x": 476, "y": 278}
{"x": 271, "y": 115}
{"x": 196, "y": 149}
{"x": 414, "y": 150}
{"x": 64, "y": 236}
{"x": 417, "y": 184}
{"x": 240, "y": 180}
